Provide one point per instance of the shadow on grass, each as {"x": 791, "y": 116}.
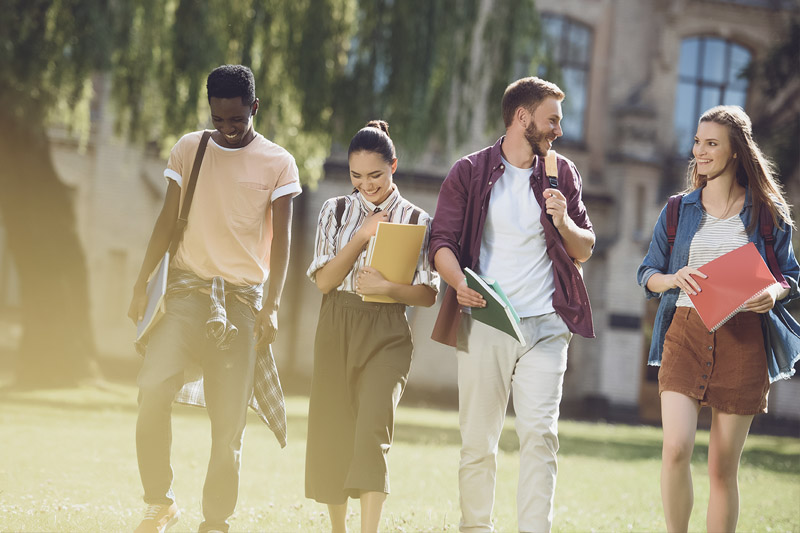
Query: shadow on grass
{"x": 601, "y": 448}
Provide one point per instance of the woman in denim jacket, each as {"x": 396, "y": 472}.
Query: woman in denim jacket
{"x": 729, "y": 369}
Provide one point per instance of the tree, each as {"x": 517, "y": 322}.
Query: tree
{"x": 321, "y": 66}
{"x": 435, "y": 69}
{"x": 778, "y": 125}
{"x": 47, "y": 53}
{"x": 158, "y": 55}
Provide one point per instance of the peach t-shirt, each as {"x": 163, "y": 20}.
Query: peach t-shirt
{"x": 229, "y": 231}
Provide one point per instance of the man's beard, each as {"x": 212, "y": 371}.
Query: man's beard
{"x": 536, "y": 138}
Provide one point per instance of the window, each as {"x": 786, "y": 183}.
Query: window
{"x": 710, "y": 73}
{"x": 569, "y": 44}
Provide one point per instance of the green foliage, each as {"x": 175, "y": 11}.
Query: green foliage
{"x": 779, "y": 77}
{"x": 781, "y": 64}
{"x": 163, "y": 52}
{"x": 321, "y": 66}
{"x": 417, "y": 64}
{"x": 47, "y": 51}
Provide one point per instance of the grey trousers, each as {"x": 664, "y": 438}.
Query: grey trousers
{"x": 177, "y": 341}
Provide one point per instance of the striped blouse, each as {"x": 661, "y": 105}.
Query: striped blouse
{"x": 330, "y": 238}
{"x": 714, "y": 237}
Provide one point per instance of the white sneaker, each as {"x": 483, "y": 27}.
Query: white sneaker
{"x": 158, "y": 517}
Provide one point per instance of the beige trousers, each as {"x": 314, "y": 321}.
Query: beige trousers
{"x": 492, "y": 364}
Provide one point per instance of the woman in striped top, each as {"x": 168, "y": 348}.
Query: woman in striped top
{"x": 729, "y": 369}
{"x": 362, "y": 351}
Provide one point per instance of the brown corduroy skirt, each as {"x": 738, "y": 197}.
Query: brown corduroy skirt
{"x": 362, "y": 356}
{"x": 726, "y": 369}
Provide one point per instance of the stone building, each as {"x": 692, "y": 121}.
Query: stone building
{"x": 637, "y": 76}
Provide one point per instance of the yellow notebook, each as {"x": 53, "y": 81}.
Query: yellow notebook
{"x": 394, "y": 252}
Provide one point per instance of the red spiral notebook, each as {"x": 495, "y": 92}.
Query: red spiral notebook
{"x": 733, "y": 279}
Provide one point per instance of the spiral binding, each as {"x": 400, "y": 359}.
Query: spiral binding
{"x": 721, "y": 322}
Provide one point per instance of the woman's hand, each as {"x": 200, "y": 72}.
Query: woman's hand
{"x": 684, "y": 280}
{"x": 764, "y": 301}
{"x": 370, "y": 225}
{"x": 370, "y": 281}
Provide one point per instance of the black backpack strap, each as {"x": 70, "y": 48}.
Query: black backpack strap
{"x": 339, "y": 211}
{"x": 673, "y": 213}
{"x": 765, "y": 227}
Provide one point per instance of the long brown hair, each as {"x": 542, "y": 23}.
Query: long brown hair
{"x": 753, "y": 169}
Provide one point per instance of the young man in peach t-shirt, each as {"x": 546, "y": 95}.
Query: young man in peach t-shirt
{"x": 237, "y": 238}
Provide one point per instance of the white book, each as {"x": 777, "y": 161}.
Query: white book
{"x": 156, "y": 296}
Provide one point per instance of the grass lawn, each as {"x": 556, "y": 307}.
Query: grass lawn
{"x": 68, "y": 463}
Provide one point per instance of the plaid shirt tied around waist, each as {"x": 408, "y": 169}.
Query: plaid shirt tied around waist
{"x": 267, "y": 396}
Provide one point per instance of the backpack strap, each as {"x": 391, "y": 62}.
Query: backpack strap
{"x": 414, "y": 220}
{"x": 673, "y": 213}
{"x": 339, "y": 211}
{"x": 183, "y": 215}
{"x": 765, "y": 227}
{"x": 551, "y": 168}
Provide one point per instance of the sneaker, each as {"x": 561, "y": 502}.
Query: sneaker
{"x": 157, "y": 518}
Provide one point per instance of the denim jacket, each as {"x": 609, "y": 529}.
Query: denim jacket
{"x": 781, "y": 331}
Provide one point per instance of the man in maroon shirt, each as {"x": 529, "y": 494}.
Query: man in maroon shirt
{"x": 498, "y": 215}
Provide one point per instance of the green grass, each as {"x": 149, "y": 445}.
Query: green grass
{"x": 68, "y": 463}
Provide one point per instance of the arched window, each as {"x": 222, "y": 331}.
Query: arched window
{"x": 569, "y": 43}
{"x": 710, "y": 73}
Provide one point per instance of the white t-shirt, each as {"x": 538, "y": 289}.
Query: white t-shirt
{"x": 715, "y": 237}
{"x": 513, "y": 248}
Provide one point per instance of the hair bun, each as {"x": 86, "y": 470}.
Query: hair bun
{"x": 379, "y": 124}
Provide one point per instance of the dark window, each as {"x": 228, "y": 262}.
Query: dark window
{"x": 710, "y": 73}
{"x": 569, "y": 45}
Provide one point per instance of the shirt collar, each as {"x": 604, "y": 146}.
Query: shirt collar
{"x": 387, "y": 204}
{"x": 694, "y": 197}
{"x": 496, "y": 158}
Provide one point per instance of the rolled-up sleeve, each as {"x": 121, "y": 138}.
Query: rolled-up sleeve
{"x": 575, "y": 207}
{"x": 325, "y": 242}
{"x": 787, "y": 261}
{"x": 657, "y": 259}
{"x": 174, "y": 170}
{"x": 288, "y": 181}
{"x": 425, "y": 274}
{"x": 451, "y": 208}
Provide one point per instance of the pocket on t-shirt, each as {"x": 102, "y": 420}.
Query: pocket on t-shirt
{"x": 250, "y": 202}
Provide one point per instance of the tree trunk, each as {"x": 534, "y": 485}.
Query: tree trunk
{"x": 57, "y": 346}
